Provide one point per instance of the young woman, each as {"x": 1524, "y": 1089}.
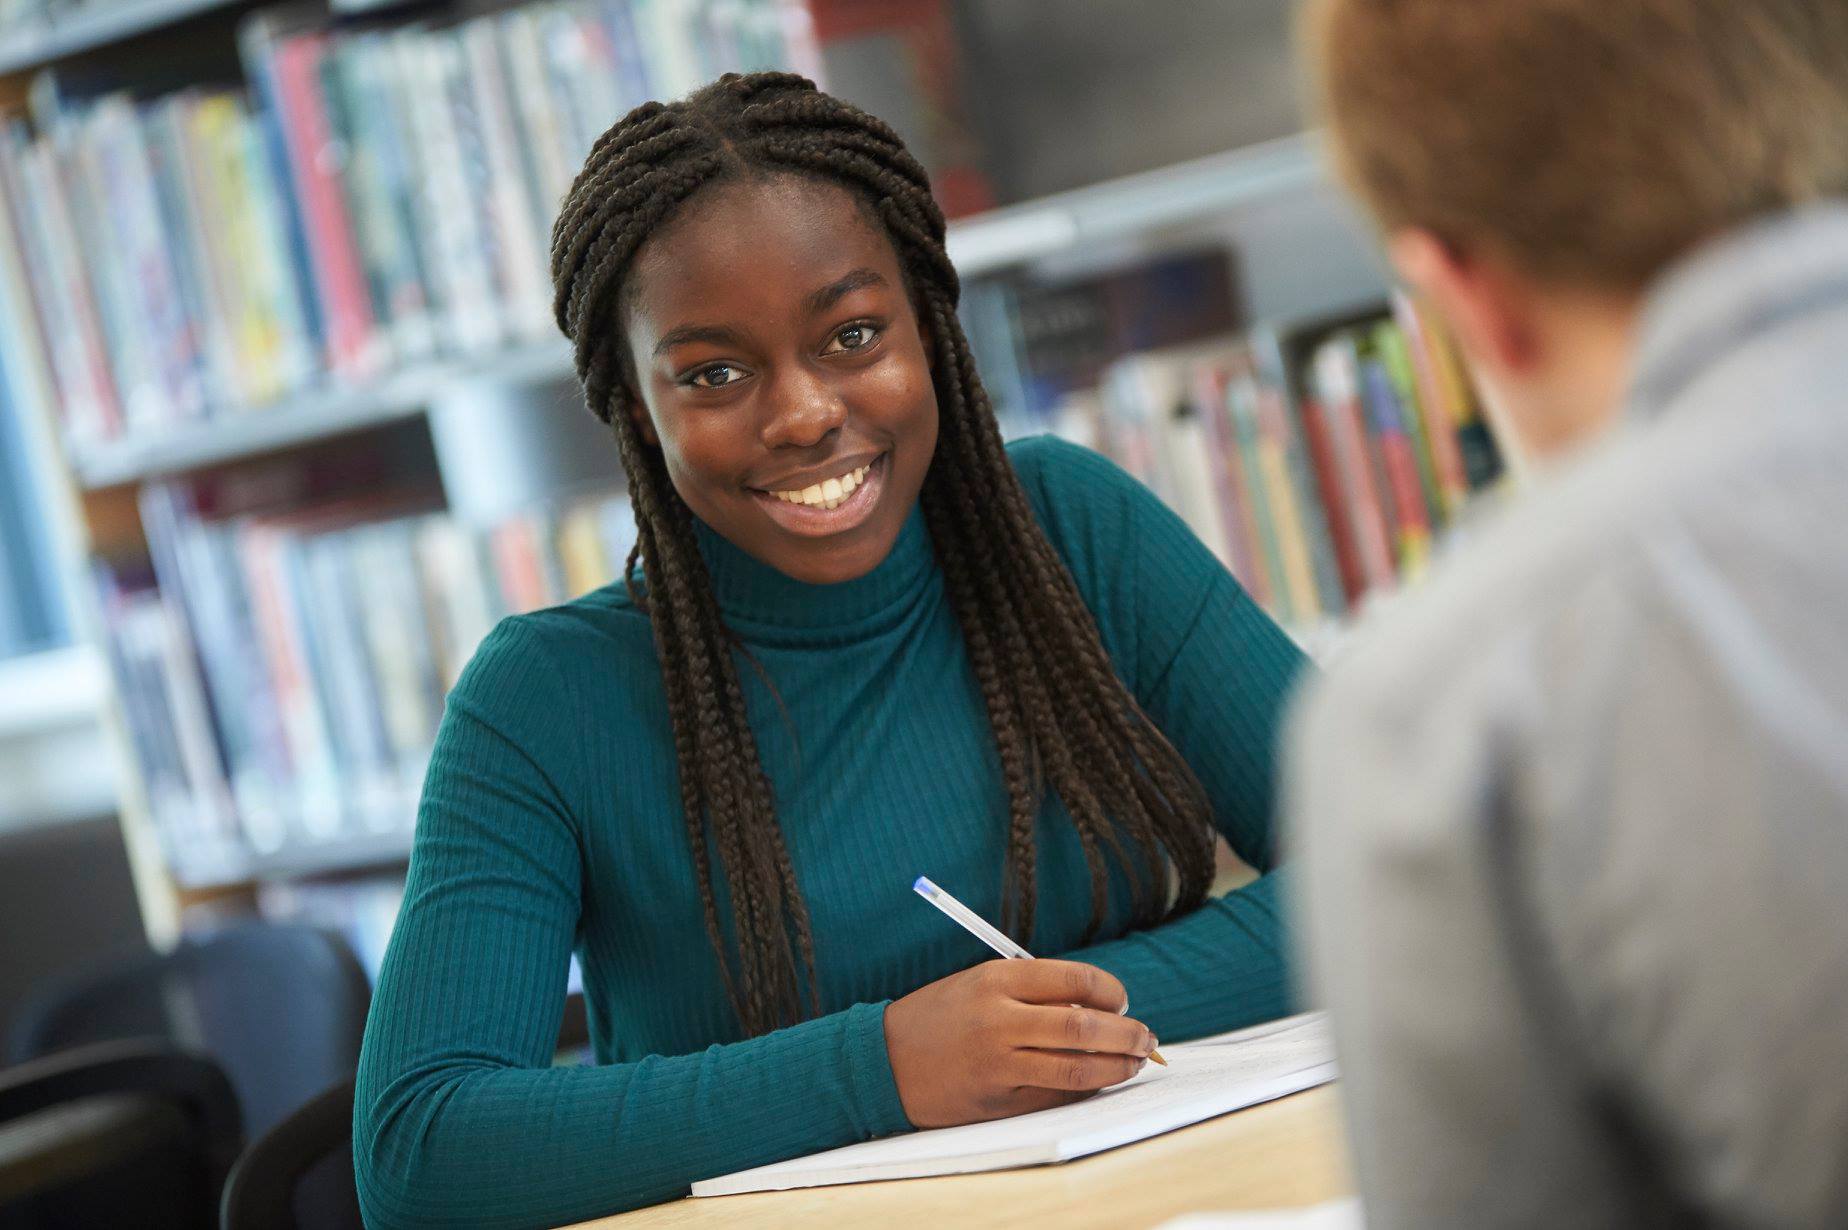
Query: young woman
{"x": 865, "y": 642}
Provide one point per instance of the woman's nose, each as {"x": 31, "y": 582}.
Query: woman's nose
{"x": 804, "y": 410}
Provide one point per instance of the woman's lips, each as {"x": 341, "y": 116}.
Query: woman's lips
{"x": 817, "y": 521}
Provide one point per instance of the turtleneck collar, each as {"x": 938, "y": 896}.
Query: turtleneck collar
{"x": 752, "y": 592}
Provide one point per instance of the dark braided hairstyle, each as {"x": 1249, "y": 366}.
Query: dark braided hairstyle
{"x": 1061, "y": 717}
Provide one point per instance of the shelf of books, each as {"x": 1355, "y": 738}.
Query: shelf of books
{"x": 107, "y": 452}
{"x": 233, "y": 306}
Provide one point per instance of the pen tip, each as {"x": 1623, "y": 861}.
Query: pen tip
{"x": 1156, "y": 1056}
{"x": 922, "y": 885}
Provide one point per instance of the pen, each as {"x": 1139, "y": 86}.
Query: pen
{"x": 979, "y": 927}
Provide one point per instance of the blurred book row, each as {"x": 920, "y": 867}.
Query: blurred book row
{"x": 283, "y": 672}
{"x": 375, "y": 198}
{"x": 1318, "y": 466}
{"x": 1320, "y": 460}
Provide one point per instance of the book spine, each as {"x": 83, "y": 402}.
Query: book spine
{"x": 199, "y": 135}
{"x": 1286, "y": 505}
{"x": 580, "y": 549}
{"x": 462, "y": 609}
{"x": 522, "y": 251}
{"x": 330, "y": 592}
{"x": 518, "y": 570}
{"x": 214, "y": 840}
{"x": 586, "y": 91}
{"x": 458, "y": 256}
{"x": 394, "y": 295}
{"x": 92, "y": 189}
{"x": 1241, "y": 400}
{"x": 263, "y": 773}
{"x": 315, "y": 164}
{"x": 1209, "y": 393}
{"x": 1336, "y": 369}
{"x": 1395, "y": 446}
{"x": 199, "y": 347}
{"x": 624, "y": 61}
{"x": 395, "y": 624}
{"x": 50, "y": 341}
{"x": 391, "y": 158}
{"x": 552, "y": 162}
{"x": 1274, "y": 377}
{"x": 1389, "y": 346}
{"x": 1436, "y": 406}
{"x": 316, "y": 808}
{"x": 200, "y": 270}
{"x": 267, "y": 169}
{"x": 136, "y": 649}
{"x": 1336, "y": 516}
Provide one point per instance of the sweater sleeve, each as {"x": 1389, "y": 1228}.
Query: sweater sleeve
{"x": 1214, "y": 673}
{"x": 458, "y": 1117}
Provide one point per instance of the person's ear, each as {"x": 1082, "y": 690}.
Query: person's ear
{"x": 1490, "y": 308}
{"x": 638, "y": 414}
{"x": 927, "y": 334}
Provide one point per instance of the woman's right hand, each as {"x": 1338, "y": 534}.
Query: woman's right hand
{"x": 1007, "y": 1037}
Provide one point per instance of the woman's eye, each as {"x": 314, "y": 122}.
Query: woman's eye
{"x": 854, "y": 337}
{"x": 717, "y": 376}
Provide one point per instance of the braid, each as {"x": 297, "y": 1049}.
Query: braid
{"x": 1062, "y": 720}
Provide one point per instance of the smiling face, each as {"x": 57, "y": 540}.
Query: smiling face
{"x": 781, "y": 369}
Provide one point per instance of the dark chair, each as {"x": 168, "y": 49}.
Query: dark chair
{"x": 299, "y": 1176}
{"x": 66, "y": 900}
{"x": 115, "y": 1134}
{"x": 281, "y": 1008}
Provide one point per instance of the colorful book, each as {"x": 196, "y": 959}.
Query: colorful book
{"x": 1242, "y": 408}
{"x": 1437, "y": 405}
{"x": 1209, "y": 395}
{"x": 1386, "y": 420}
{"x": 1388, "y": 344}
{"x": 355, "y": 347}
{"x": 1335, "y": 371}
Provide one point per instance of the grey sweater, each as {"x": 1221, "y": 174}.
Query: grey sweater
{"x": 1574, "y": 817}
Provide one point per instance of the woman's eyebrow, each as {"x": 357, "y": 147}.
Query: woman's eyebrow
{"x": 840, "y": 288}
{"x": 714, "y": 334}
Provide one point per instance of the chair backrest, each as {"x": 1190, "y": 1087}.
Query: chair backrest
{"x": 281, "y": 1008}
{"x": 115, "y": 1134}
{"x": 299, "y": 1176}
{"x": 66, "y": 900}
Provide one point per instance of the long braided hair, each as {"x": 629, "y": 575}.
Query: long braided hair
{"x": 1061, "y": 718}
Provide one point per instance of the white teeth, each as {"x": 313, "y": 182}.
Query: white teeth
{"x": 829, "y": 494}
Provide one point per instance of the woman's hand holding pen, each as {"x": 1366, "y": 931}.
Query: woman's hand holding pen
{"x": 1007, "y": 1037}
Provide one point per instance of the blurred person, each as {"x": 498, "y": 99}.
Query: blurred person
{"x": 1574, "y": 817}
{"x": 865, "y": 641}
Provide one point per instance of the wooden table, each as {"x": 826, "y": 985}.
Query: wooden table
{"x": 1284, "y": 1154}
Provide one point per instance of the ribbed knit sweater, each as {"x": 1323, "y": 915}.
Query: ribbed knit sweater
{"x": 551, "y": 822}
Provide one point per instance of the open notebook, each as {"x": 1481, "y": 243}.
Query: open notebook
{"x": 1204, "y": 1078}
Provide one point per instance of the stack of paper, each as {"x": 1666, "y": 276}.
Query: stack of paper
{"x": 1205, "y": 1078}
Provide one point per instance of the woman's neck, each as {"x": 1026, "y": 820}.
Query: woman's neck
{"x": 752, "y": 592}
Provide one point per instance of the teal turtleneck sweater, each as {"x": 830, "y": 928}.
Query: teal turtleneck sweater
{"x": 550, "y": 822}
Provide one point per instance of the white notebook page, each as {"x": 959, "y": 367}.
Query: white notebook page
{"x": 1204, "y": 1078}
